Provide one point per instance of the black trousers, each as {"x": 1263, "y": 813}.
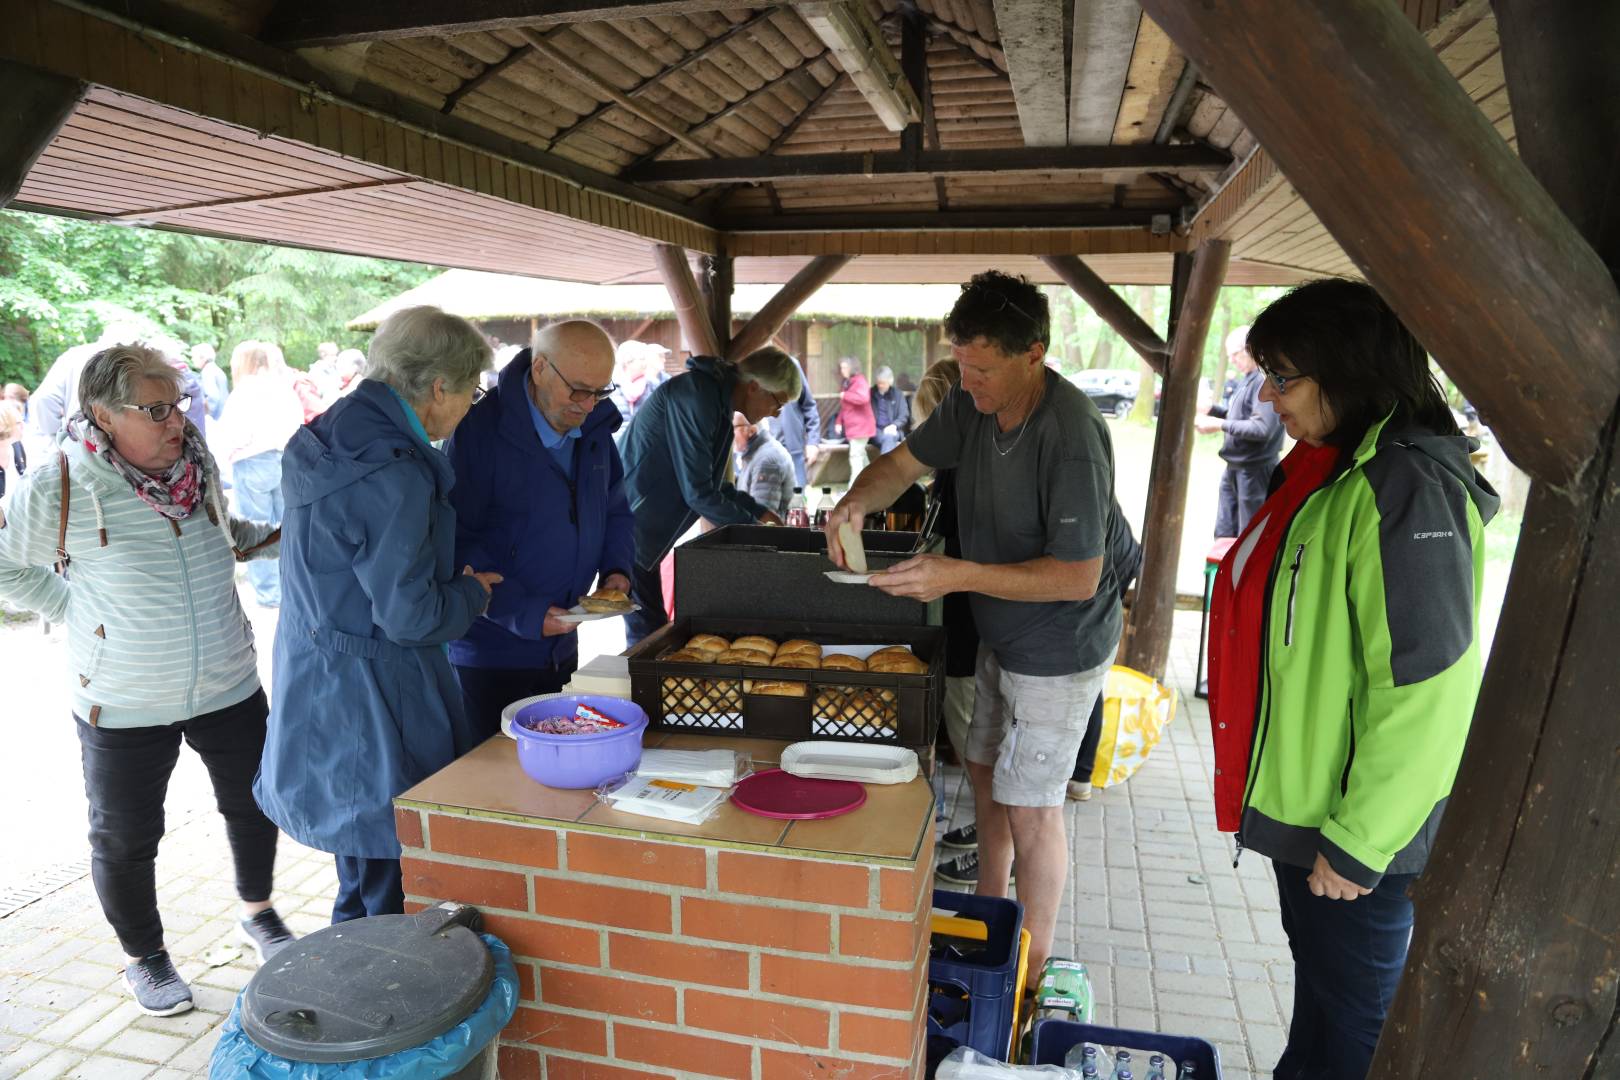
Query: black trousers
{"x": 486, "y": 691}
{"x": 367, "y": 887}
{"x": 1086, "y": 759}
{"x": 646, "y": 589}
{"x": 1243, "y": 489}
{"x": 126, "y": 776}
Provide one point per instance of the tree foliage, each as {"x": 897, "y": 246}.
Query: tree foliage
{"x": 62, "y": 282}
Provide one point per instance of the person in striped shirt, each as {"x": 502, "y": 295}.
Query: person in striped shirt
{"x": 159, "y": 650}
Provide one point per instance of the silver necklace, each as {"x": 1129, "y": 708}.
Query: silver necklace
{"x": 1022, "y": 427}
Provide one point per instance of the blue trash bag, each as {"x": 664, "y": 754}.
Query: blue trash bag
{"x": 237, "y": 1056}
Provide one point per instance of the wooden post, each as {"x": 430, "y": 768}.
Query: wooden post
{"x": 715, "y": 282}
{"x": 869, "y": 351}
{"x": 35, "y": 106}
{"x": 1425, "y": 208}
{"x": 769, "y": 319}
{"x": 1147, "y": 640}
{"x": 1121, "y": 318}
{"x": 690, "y": 311}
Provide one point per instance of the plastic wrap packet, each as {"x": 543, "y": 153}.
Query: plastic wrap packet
{"x": 705, "y": 768}
{"x": 670, "y": 800}
{"x": 965, "y": 1063}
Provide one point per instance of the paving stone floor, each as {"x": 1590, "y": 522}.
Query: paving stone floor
{"x": 1176, "y": 940}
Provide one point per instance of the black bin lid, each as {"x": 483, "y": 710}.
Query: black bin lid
{"x": 370, "y": 987}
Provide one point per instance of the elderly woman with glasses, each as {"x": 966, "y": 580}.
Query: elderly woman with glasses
{"x": 129, "y": 509}
{"x": 365, "y": 702}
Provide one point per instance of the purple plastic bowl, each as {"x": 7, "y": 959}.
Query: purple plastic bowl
{"x": 579, "y": 761}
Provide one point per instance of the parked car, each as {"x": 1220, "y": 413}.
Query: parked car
{"x": 1112, "y": 391}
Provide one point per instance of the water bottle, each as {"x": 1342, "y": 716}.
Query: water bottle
{"x": 1189, "y": 1071}
{"x": 824, "y": 507}
{"x": 1089, "y": 1073}
{"x": 797, "y": 516}
{"x": 1122, "y": 1066}
{"x": 1156, "y": 1067}
{"x": 1082, "y": 1056}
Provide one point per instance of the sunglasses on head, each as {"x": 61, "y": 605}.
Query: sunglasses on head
{"x": 1000, "y": 300}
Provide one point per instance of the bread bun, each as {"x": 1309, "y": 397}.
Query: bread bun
{"x": 796, "y": 660}
{"x": 757, "y": 643}
{"x": 829, "y": 703}
{"x": 708, "y": 643}
{"x": 892, "y": 650}
{"x": 752, "y": 657}
{"x": 897, "y": 664}
{"x": 859, "y": 708}
{"x": 799, "y": 645}
{"x": 842, "y": 662}
{"x": 690, "y": 655}
{"x": 780, "y": 689}
{"x": 606, "y": 601}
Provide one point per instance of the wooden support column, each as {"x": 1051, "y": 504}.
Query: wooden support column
{"x": 1147, "y": 639}
{"x": 769, "y": 319}
{"x": 690, "y": 310}
{"x": 716, "y": 282}
{"x": 33, "y": 107}
{"x": 1112, "y": 308}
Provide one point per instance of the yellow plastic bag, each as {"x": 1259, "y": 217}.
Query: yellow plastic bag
{"x": 1136, "y": 711}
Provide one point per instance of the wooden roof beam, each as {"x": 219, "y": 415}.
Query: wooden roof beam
{"x": 849, "y": 31}
{"x": 758, "y": 331}
{"x": 1435, "y": 199}
{"x": 690, "y": 310}
{"x": 894, "y": 163}
{"x": 1104, "y": 40}
{"x": 302, "y": 23}
{"x": 1047, "y": 217}
{"x": 37, "y": 105}
{"x": 1112, "y": 308}
{"x": 1033, "y": 34}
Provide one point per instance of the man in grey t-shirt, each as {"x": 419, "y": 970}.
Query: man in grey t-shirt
{"x": 1034, "y": 484}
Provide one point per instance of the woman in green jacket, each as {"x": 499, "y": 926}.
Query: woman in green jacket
{"x": 1345, "y": 659}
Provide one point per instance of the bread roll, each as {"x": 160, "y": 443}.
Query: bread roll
{"x": 709, "y": 643}
{"x": 752, "y": 657}
{"x": 905, "y": 664}
{"x": 606, "y": 601}
{"x": 799, "y": 645}
{"x": 780, "y": 689}
{"x": 892, "y": 650}
{"x": 757, "y": 643}
{"x": 829, "y": 703}
{"x": 796, "y": 660}
{"x": 690, "y": 655}
{"x": 843, "y": 662}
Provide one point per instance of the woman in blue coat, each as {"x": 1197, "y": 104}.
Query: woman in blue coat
{"x": 364, "y": 703}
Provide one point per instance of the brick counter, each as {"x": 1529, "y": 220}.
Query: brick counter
{"x": 743, "y": 947}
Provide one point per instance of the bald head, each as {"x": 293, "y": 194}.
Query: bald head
{"x": 569, "y": 359}
{"x": 1237, "y": 349}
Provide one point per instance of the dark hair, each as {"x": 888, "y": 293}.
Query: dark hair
{"x": 1007, "y": 311}
{"x": 1366, "y": 363}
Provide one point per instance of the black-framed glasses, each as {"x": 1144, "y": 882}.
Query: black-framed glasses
{"x": 997, "y": 294}
{"x": 478, "y": 394}
{"x": 582, "y": 393}
{"x": 161, "y": 411}
{"x": 1280, "y": 383}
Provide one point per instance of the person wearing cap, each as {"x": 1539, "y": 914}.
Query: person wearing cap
{"x": 1253, "y": 441}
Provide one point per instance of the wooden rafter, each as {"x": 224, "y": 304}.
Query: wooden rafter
{"x": 1423, "y": 213}
{"x": 687, "y": 299}
{"x": 37, "y": 104}
{"x": 1048, "y": 217}
{"x": 793, "y": 75}
{"x": 894, "y": 163}
{"x": 142, "y": 217}
{"x": 758, "y": 331}
{"x": 1032, "y": 39}
{"x": 1121, "y": 318}
{"x": 302, "y": 23}
{"x": 719, "y": 193}
{"x": 1104, "y": 38}
{"x": 848, "y": 30}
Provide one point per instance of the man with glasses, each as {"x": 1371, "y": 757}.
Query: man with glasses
{"x": 1252, "y": 444}
{"x": 540, "y": 499}
{"x": 1034, "y": 476}
{"x": 675, "y": 461}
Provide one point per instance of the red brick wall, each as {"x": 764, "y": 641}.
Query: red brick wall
{"x": 642, "y": 958}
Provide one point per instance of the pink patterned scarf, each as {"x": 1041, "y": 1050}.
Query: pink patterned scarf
{"x": 174, "y": 494}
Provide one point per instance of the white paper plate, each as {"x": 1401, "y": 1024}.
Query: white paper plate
{"x": 578, "y": 614}
{"x": 862, "y": 762}
{"x": 509, "y": 714}
{"x": 847, "y": 577}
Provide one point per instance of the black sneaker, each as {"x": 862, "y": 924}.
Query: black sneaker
{"x": 964, "y": 870}
{"x": 158, "y": 988}
{"x": 964, "y": 839}
{"x": 266, "y": 933}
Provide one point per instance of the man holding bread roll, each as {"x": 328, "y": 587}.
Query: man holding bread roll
{"x": 675, "y": 456}
{"x": 1034, "y": 473}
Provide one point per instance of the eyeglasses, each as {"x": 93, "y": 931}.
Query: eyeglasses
{"x": 1002, "y": 297}
{"x": 160, "y": 412}
{"x": 478, "y": 394}
{"x": 1281, "y": 382}
{"x": 582, "y": 393}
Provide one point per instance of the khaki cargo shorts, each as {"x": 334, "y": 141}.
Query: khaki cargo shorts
{"x": 1029, "y": 727}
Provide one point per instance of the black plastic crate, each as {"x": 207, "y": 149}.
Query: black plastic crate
{"x": 778, "y": 573}
{"x": 855, "y": 706}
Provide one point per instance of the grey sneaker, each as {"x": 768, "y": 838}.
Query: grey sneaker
{"x": 158, "y": 988}
{"x": 1080, "y": 790}
{"x": 963, "y": 870}
{"x": 964, "y": 839}
{"x": 266, "y": 933}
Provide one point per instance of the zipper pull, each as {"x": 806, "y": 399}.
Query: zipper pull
{"x": 1237, "y": 838}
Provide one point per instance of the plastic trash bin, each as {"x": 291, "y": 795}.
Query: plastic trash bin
{"x": 406, "y": 997}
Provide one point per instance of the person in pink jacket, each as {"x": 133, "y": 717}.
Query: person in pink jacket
{"x": 855, "y": 417}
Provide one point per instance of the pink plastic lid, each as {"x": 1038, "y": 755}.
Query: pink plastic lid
{"x": 776, "y": 794}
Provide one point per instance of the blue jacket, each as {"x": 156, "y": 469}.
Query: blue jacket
{"x": 675, "y": 459}
{"x": 364, "y": 703}
{"x": 548, "y": 533}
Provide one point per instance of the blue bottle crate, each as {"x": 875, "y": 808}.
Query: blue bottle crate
{"x": 1054, "y": 1038}
{"x": 990, "y": 984}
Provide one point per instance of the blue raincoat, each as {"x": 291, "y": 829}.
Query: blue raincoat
{"x": 363, "y": 700}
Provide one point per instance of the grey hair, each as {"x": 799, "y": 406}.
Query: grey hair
{"x": 884, "y": 374}
{"x": 416, "y": 345}
{"x": 773, "y": 371}
{"x": 112, "y": 377}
